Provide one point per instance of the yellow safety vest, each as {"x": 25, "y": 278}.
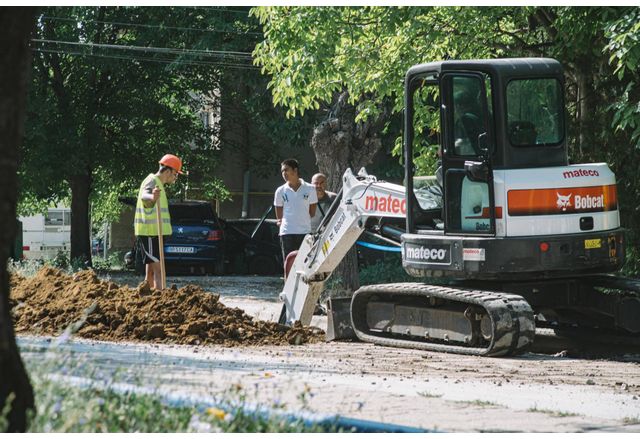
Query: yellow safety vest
{"x": 145, "y": 221}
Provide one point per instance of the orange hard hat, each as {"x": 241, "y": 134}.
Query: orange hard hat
{"x": 172, "y": 161}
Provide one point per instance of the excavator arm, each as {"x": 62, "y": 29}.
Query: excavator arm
{"x": 361, "y": 197}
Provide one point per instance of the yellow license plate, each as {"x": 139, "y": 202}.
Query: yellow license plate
{"x": 592, "y": 243}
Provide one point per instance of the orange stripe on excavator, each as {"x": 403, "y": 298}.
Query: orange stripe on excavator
{"x": 562, "y": 201}
{"x": 485, "y": 213}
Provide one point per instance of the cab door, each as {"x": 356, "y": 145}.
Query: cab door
{"x": 469, "y": 206}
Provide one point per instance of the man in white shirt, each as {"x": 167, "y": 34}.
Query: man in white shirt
{"x": 295, "y": 202}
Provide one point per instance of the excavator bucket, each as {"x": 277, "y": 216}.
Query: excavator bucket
{"x": 339, "y": 320}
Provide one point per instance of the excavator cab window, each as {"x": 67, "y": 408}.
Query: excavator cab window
{"x": 534, "y": 112}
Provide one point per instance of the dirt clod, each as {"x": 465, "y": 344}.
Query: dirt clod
{"x": 50, "y": 301}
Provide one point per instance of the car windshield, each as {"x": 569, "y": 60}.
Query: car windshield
{"x": 192, "y": 214}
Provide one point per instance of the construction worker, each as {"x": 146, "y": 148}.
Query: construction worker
{"x": 145, "y": 221}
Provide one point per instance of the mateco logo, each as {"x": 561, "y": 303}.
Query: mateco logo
{"x": 581, "y": 173}
{"x": 431, "y": 254}
{"x": 387, "y": 204}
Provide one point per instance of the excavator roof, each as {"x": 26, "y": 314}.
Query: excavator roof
{"x": 504, "y": 67}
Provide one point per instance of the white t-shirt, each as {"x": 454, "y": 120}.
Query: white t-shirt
{"x": 295, "y": 207}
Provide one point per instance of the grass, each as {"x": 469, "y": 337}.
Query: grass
{"x": 62, "y": 407}
{"x": 554, "y": 413}
{"x": 631, "y": 420}
{"x": 481, "y": 403}
{"x": 29, "y": 267}
{"x": 430, "y": 395}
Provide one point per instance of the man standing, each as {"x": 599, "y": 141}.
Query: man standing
{"x": 325, "y": 199}
{"x": 295, "y": 203}
{"x": 145, "y": 222}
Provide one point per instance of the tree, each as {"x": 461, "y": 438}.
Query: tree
{"x": 113, "y": 90}
{"x": 16, "y": 25}
{"x": 316, "y": 54}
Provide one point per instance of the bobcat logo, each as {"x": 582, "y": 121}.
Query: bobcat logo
{"x": 564, "y": 201}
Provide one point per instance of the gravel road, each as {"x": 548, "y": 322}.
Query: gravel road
{"x": 531, "y": 393}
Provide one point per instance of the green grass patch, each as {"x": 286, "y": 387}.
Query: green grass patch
{"x": 481, "y": 403}
{"x": 430, "y": 395}
{"x": 74, "y": 394}
{"x": 65, "y": 408}
{"x": 554, "y": 413}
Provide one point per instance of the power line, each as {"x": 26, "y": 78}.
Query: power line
{"x": 148, "y": 26}
{"x": 158, "y": 60}
{"x": 174, "y": 51}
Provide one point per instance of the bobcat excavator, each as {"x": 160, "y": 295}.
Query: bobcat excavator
{"x": 508, "y": 238}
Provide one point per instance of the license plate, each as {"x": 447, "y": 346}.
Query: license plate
{"x": 180, "y": 250}
{"x": 592, "y": 243}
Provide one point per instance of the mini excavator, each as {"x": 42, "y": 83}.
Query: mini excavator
{"x": 507, "y": 238}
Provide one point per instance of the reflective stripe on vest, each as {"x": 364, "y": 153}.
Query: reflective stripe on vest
{"x": 145, "y": 221}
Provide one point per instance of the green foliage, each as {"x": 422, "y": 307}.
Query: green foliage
{"x": 114, "y": 261}
{"x": 113, "y": 89}
{"x": 388, "y": 270}
{"x": 215, "y": 189}
{"x": 624, "y": 50}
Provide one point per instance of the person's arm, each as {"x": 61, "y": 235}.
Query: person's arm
{"x": 277, "y": 203}
{"x": 312, "y": 209}
{"x": 150, "y": 194}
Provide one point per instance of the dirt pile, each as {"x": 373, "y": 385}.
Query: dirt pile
{"x": 51, "y": 301}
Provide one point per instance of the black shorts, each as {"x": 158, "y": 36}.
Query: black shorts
{"x": 149, "y": 244}
{"x": 290, "y": 243}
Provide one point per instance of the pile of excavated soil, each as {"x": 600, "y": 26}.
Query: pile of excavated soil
{"x": 51, "y": 301}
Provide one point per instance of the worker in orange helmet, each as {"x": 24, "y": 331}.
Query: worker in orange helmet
{"x": 145, "y": 223}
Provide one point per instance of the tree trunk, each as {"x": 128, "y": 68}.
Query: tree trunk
{"x": 16, "y": 25}
{"x": 80, "y": 227}
{"x": 340, "y": 143}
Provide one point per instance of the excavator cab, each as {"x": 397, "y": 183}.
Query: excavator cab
{"x": 481, "y": 115}
{"x": 499, "y": 126}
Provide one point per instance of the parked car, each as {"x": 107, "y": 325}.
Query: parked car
{"x": 197, "y": 244}
{"x": 253, "y": 245}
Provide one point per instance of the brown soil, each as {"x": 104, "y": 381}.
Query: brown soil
{"x": 52, "y": 300}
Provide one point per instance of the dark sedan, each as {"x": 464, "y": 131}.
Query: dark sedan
{"x": 197, "y": 239}
{"x": 197, "y": 244}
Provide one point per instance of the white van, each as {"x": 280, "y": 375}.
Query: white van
{"x": 43, "y": 236}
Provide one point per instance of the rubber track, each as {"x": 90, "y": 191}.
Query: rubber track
{"x": 513, "y": 326}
